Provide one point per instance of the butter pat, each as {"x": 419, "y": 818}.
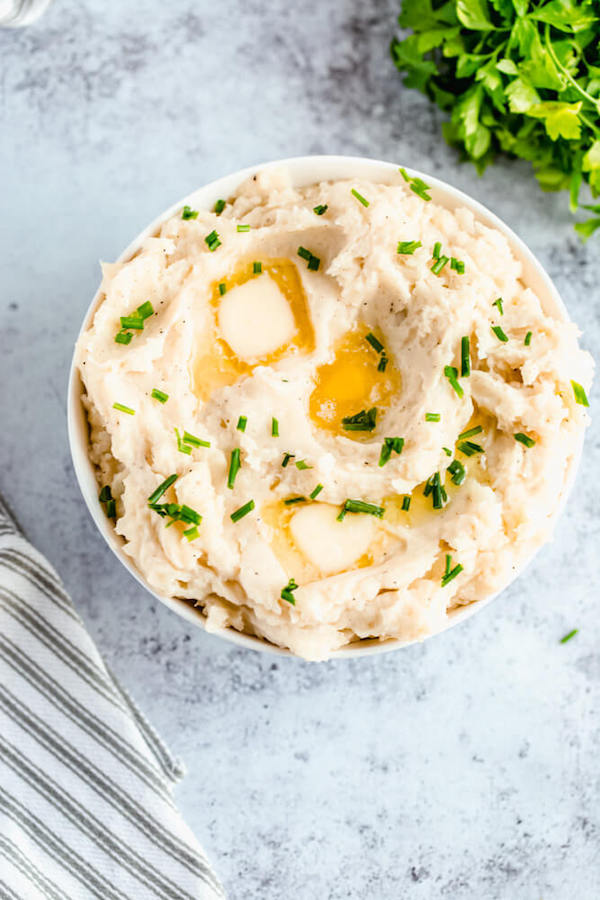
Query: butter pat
{"x": 330, "y": 545}
{"x": 255, "y": 319}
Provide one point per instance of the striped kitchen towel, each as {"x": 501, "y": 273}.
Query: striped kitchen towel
{"x": 85, "y": 782}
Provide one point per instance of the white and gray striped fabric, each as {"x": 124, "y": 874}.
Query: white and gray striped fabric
{"x": 85, "y": 782}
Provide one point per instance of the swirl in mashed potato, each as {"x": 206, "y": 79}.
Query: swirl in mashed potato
{"x": 369, "y": 421}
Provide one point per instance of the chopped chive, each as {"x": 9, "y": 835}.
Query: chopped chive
{"x": 315, "y": 492}
{"x": 498, "y": 303}
{"x": 314, "y": 263}
{"x": 320, "y": 209}
{"x": 447, "y": 451}
{"x": 243, "y": 227}
{"x": 432, "y": 417}
{"x": 183, "y": 448}
{"x": 189, "y": 213}
{"x": 458, "y": 265}
{"x": 274, "y": 427}
{"x": 359, "y": 197}
{"x": 524, "y": 439}
{"x": 465, "y": 356}
{"x": 242, "y": 511}
{"x": 365, "y": 420}
{"x": 375, "y": 344}
{"x": 191, "y": 533}
{"x": 448, "y": 563}
{"x": 390, "y": 445}
{"x": 470, "y": 448}
{"x": 292, "y": 500}
{"x": 451, "y": 374}
{"x": 404, "y": 174}
{"x": 568, "y": 636}
{"x": 580, "y": 394}
{"x": 194, "y": 441}
{"x": 219, "y": 207}
{"x": 304, "y": 253}
{"x": 499, "y": 333}
{"x": 105, "y": 494}
{"x": 145, "y": 310}
{"x": 257, "y": 267}
{"x": 470, "y": 432}
{"x": 160, "y": 490}
{"x": 408, "y": 247}
{"x": 360, "y": 506}
{"x": 111, "y": 509}
{"x": 406, "y": 503}
{"x": 450, "y": 574}
{"x": 437, "y": 250}
{"x": 212, "y": 241}
{"x": 125, "y": 409}
{"x": 123, "y": 337}
{"x": 286, "y": 593}
{"x": 383, "y": 361}
{"x": 234, "y": 467}
{"x": 286, "y": 459}
{"x": 457, "y": 471}
{"x": 439, "y": 264}
{"x": 241, "y": 423}
{"x": 159, "y": 395}
{"x": 301, "y": 464}
{"x": 439, "y": 494}
{"x": 416, "y": 184}
{"x": 528, "y": 337}
{"x": 189, "y": 515}
{"x": 222, "y": 288}
{"x": 134, "y": 321}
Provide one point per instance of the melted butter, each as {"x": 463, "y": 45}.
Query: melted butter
{"x": 215, "y": 365}
{"x": 277, "y": 517}
{"x": 352, "y": 382}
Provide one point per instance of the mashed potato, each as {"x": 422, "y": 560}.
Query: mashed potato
{"x": 331, "y": 413}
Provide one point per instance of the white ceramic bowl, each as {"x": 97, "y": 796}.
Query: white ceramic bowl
{"x": 304, "y": 170}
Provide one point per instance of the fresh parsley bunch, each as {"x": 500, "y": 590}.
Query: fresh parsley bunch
{"x": 517, "y": 76}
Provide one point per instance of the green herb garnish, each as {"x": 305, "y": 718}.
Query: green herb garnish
{"x": 105, "y": 494}
{"x": 234, "y": 467}
{"x": 242, "y": 511}
{"x": 315, "y": 492}
{"x": 219, "y": 207}
{"x": 406, "y": 503}
{"x": 447, "y": 451}
{"x": 417, "y": 185}
{"x": 450, "y": 573}
{"x": 365, "y": 420}
{"x": 123, "y": 337}
{"x": 524, "y": 439}
{"x": 408, "y": 247}
{"x": 181, "y": 446}
{"x": 465, "y": 356}
{"x": 498, "y": 303}
{"x": 527, "y": 340}
{"x": 470, "y": 448}
{"x": 125, "y": 409}
{"x": 439, "y": 265}
{"x": 189, "y": 213}
{"x": 241, "y": 423}
{"x": 160, "y": 490}
{"x": 286, "y": 593}
{"x": 382, "y": 364}
{"x": 292, "y": 500}
{"x": 470, "y": 432}
{"x": 437, "y": 250}
{"x": 320, "y": 209}
{"x": 390, "y": 445}
{"x": 499, "y": 333}
{"x": 458, "y": 265}
{"x": 313, "y": 262}
{"x": 435, "y": 488}
{"x": 274, "y": 427}
{"x": 359, "y": 197}
{"x": 568, "y": 636}
{"x": 212, "y": 241}
{"x": 191, "y": 533}
{"x": 286, "y": 459}
{"x": 432, "y": 417}
{"x": 457, "y": 471}
{"x": 111, "y": 509}
{"x": 580, "y": 394}
{"x": 222, "y": 288}
{"x": 132, "y": 322}
{"x": 256, "y": 268}
{"x": 243, "y": 228}
{"x": 375, "y": 344}
{"x": 159, "y": 395}
{"x": 194, "y": 441}
{"x": 360, "y": 506}
{"x": 451, "y": 374}
{"x": 301, "y": 464}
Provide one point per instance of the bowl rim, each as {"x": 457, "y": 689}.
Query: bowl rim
{"x": 304, "y": 170}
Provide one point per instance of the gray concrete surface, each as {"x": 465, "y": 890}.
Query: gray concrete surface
{"x": 465, "y": 768}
